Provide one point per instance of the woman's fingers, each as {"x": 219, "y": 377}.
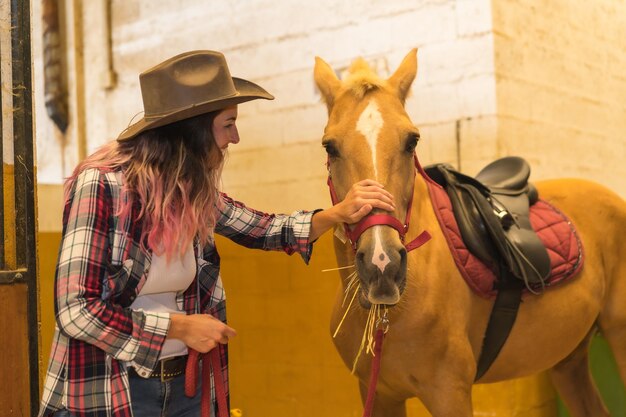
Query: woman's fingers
{"x": 377, "y": 196}
{"x": 361, "y": 212}
{"x": 203, "y": 332}
{"x": 362, "y": 198}
{"x": 380, "y": 204}
{"x": 223, "y": 332}
{"x": 222, "y": 328}
{"x": 226, "y": 334}
{"x": 368, "y": 182}
{"x": 364, "y": 187}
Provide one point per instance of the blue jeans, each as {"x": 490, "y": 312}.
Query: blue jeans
{"x": 153, "y": 398}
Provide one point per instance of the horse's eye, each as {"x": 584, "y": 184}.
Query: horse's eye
{"x": 331, "y": 149}
{"x": 411, "y": 142}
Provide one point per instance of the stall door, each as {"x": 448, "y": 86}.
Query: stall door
{"x": 19, "y": 360}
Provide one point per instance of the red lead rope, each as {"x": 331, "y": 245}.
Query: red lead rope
{"x": 191, "y": 381}
{"x": 371, "y": 389}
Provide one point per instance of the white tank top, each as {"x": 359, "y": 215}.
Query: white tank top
{"x": 158, "y": 294}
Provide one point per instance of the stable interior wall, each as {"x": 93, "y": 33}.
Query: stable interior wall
{"x": 560, "y": 73}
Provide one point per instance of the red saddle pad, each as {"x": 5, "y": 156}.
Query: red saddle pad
{"x": 552, "y": 226}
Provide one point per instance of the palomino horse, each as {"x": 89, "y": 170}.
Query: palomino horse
{"x": 437, "y": 322}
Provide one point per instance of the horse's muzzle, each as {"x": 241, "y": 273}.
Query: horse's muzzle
{"x": 382, "y": 274}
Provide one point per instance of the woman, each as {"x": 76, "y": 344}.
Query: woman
{"x": 137, "y": 282}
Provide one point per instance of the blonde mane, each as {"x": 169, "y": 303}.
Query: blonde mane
{"x": 362, "y": 79}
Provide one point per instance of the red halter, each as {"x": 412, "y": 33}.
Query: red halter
{"x": 381, "y": 219}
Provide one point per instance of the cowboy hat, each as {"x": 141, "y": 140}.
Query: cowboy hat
{"x": 188, "y": 85}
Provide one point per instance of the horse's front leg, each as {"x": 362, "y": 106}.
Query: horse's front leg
{"x": 453, "y": 399}
{"x": 385, "y": 403}
{"x": 444, "y": 385}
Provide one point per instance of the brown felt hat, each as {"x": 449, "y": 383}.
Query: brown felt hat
{"x": 188, "y": 85}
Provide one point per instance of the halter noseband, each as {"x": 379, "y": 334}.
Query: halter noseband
{"x": 381, "y": 219}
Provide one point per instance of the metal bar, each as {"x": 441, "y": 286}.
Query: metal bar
{"x": 13, "y": 277}
{"x": 21, "y": 116}
{"x": 78, "y": 117}
{"x": 25, "y": 179}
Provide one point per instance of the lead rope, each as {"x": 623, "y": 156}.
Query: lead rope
{"x": 214, "y": 365}
{"x": 383, "y": 327}
{"x": 191, "y": 381}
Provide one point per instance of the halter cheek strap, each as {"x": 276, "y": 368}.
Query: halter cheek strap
{"x": 381, "y": 219}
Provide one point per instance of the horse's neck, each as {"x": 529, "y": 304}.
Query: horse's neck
{"x": 422, "y": 217}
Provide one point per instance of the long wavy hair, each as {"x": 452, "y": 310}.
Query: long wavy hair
{"x": 173, "y": 172}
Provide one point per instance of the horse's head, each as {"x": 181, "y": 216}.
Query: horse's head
{"x": 370, "y": 135}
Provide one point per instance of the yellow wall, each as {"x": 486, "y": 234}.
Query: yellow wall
{"x": 48, "y": 247}
{"x": 282, "y": 360}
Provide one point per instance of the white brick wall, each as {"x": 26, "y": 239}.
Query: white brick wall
{"x": 547, "y": 91}
{"x": 274, "y": 43}
{"x": 561, "y": 87}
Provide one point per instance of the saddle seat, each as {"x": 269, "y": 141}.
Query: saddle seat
{"x": 492, "y": 212}
{"x": 508, "y": 173}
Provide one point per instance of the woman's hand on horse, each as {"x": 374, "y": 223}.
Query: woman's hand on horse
{"x": 201, "y": 332}
{"x": 362, "y": 198}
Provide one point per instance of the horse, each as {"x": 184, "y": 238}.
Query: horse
{"x": 437, "y": 323}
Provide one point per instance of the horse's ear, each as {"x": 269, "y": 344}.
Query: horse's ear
{"x": 326, "y": 81}
{"x": 402, "y": 79}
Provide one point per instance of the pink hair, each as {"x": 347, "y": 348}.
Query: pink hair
{"x": 173, "y": 172}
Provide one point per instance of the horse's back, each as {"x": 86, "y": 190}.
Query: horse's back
{"x": 596, "y": 211}
{"x": 579, "y": 190}
{"x": 551, "y": 325}
{"x": 599, "y": 216}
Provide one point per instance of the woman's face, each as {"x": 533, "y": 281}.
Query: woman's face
{"x": 224, "y": 128}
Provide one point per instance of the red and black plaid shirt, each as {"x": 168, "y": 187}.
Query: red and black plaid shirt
{"x": 100, "y": 271}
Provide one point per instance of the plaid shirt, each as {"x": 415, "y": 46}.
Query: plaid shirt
{"x": 100, "y": 271}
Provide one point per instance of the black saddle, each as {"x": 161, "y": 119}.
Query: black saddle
{"x": 492, "y": 212}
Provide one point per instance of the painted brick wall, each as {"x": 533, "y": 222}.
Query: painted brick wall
{"x": 279, "y": 163}
{"x": 561, "y": 87}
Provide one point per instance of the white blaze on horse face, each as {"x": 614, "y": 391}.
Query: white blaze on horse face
{"x": 379, "y": 257}
{"x": 369, "y": 125}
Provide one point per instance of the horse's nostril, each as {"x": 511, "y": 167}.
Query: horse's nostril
{"x": 360, "y": 256}
{"x": 402, "y": 253}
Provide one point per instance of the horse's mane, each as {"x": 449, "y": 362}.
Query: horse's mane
{"x": 361, "y": 79}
